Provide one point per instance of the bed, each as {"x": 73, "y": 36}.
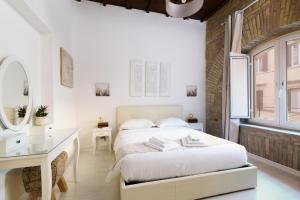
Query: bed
{"x": 191, "y": 173}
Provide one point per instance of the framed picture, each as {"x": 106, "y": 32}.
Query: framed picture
{"x": 152, "y": 79}
{"x": 191, "y": 91}
{"x": 26, "y": 88}
{"x": 137, "y": 78}
{"x": 66, "y": 69}
{"x": 165, "y": 79}
{"x": 102, "y": 90}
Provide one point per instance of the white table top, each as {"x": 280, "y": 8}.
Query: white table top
{"x": 55, "y": 137}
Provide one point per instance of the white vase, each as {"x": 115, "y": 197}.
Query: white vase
{"x": 19, "y": 120}
{"x": 40, "y": 121}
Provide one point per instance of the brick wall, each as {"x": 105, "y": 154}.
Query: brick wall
{"x": 272, "y": 144}
{"x": 263, "y": 21}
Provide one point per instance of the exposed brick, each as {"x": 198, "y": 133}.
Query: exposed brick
{"x": 263, "y": 21}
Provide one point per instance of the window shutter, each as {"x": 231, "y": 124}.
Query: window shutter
{"x": 239, "y": 70}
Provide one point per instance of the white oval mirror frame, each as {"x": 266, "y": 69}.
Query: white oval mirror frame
{"x": 6, "y": 62}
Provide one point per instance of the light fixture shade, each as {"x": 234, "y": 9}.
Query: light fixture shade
{"x": 183, "y": 10}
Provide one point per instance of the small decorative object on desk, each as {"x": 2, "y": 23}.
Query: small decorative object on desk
{"x": 41, "y": 116}
{"x": 192, "y": 119}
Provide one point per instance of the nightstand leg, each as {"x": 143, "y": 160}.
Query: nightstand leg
{"x": 109, "y": 143}
{"x": 94, "y": 145}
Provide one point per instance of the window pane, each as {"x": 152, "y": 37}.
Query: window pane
{"x": 264, "y": 84}
{"x": 295, "y": 54}
{"x": 293, "y": 80}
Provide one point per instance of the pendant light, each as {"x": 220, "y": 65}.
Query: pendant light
{"x": 185, "y": 9}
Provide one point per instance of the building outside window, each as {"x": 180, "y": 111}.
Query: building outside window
{"x": 276, "y": 82}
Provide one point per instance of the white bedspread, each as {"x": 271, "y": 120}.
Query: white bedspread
{"x": 161, "y": 165}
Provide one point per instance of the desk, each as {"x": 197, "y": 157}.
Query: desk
{"x": 42, "y": 153}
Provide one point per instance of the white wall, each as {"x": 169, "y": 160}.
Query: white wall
{"x": 19, "y": 39}
{"x": 58, "y": 15}
{"x": 40, "y": 54}
{"x": 105, "y": 39}
{"x": 102, "y": 41}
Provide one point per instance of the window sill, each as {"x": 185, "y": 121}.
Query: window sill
{"x": 272, "y": 129}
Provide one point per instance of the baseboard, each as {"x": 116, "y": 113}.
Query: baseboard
{"x": 274, "y": 164}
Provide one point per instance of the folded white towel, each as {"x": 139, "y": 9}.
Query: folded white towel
{"x": 162, "y": 144}
{"x": 159, "y": 140}
{"x": 168, "y": 148}
{"x": 195, "y": 137}
{"x": 193, "y": 141}
{"x": 186, "y": 143}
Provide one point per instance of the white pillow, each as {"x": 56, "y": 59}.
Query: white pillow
{"x": 136, "y": 124}
{"x": 172, "y": 122}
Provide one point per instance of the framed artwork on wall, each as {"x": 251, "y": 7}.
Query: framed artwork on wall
{"x": 165, "y": 79}
{"x": 152, "y": 79}
{"x": 137, "y": 78}
{"x": 66, "y": 69}
{"x": 102, "y": 90}
{"x": 191, "y": 90}
{"x": 25, "y": 88}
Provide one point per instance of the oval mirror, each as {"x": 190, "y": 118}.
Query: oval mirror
{"x": 15, "y": 94}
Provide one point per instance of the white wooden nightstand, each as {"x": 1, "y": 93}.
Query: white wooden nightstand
{"x": 101, "y": 132}
{"x": 197, "y": 126}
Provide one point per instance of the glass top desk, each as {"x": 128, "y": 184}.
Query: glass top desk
{"x": 41, "y": 153}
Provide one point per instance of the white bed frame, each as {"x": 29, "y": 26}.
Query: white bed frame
{"x": 188, "y": 187}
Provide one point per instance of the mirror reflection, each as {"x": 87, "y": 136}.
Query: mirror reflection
{"x": 15, "y": 93}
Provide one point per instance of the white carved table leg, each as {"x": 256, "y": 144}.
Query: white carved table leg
{"x": 46, "y": 173}
{"x": 2, "y": 184}
{"x": 76, "y": 158}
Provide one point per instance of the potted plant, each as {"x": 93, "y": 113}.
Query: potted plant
{"x": 21, "y": 114}
{"x": 41, "y": 115}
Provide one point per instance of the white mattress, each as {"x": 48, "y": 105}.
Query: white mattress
{"x": 151, "y": 166}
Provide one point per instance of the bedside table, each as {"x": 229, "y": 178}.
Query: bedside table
{"x": 197, "y": 126}
{"x": 101, "y": 132}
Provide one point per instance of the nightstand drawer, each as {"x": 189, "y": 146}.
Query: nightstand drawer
{"x": 102, "y": 132}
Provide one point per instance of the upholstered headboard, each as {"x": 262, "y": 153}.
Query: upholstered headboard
{"x": 153, "y": 113}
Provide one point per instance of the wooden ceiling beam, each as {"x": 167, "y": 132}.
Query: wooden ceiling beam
{"x": 128, "y": 5}
{"x": 148, "y": 6}
{"x": 209, "y": 8}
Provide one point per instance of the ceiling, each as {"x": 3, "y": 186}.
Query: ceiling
{"x": 158, "y": 6}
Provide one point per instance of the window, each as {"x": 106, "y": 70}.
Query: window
{"x": 293, "y": 80}
{"x": 293, "y": 53}
{"x": 262, "y": 63}
{"x": 276, "y": 82}
{"x": 264, "y": 84}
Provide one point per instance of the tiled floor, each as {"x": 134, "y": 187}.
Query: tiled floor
{"x": 273, "y": 184}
